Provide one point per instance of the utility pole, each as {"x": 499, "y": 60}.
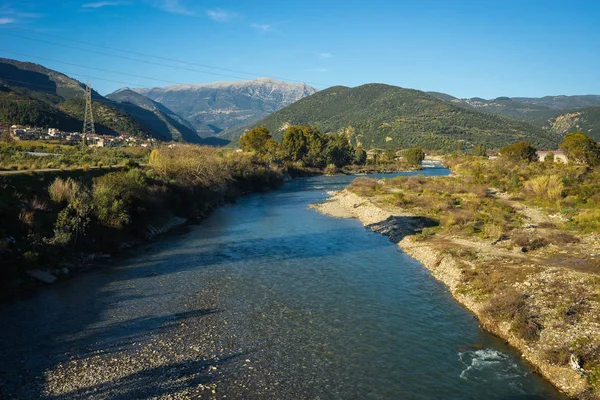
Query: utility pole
{"x": 88, "y": 120}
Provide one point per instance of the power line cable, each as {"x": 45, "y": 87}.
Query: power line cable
{"x": 149, "y": 55}
{"x": 140, "y": 54}
{"x": 94, "y": 68}
{"x": 130, "y": 84}
{"x": 121, "y": 57}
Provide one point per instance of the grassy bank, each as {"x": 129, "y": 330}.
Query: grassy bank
{"x": 517, "y": 242}
{"x": 17, "y": 155}
{"x": 49, "y": 220}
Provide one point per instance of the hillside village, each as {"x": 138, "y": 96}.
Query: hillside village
{"x": 24, "y": 133}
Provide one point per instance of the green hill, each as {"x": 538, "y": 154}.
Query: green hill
{"x": 155, "y": 115}
{"x": 505, "y": 106}
{"x": 31, "y": 94}
{"x": 19, "y": 108}
{"x": 108, "y": 119}
{"x": 377, "y": 115}
{"x": 586, "y": 120}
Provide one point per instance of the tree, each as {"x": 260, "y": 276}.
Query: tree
{"x": 255, "y": 140}
{"x": 294, "y": 143}
{"x": 339, "y": 151}
{"x": 273, "y": 151}
{"x": 580, "y": 148}
{"x": 316, "y": 144}
{"x": 521, "y": 151}
{"x": 389, "y": 157}
{"x": 360, "y": 156}
{"x": 479, "y": 151}
{"x": 414, "y": 156}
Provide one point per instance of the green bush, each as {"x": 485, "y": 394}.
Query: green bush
{"x": 414, "y": 156}
{"x": 521, "y": 151}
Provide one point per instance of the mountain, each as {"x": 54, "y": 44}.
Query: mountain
{"x": 506, "y": 106}
{"x": 586, "y": 120}
{"x": 48, "y": 85}
{"x": 31, "y": 94}
{"x": 218, "y": 106}
{"x": 158, "y": 117}
{"x": 17, "y": 107}
{"x": 377, "y": 115}
{"x": 563, "y": 102}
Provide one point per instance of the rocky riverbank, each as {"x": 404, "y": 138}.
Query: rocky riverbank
{"x": 546, "y": 286}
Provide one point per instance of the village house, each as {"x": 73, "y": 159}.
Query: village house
{"x": 558, "y": 155}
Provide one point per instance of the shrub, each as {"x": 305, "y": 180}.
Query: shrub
{"x": 558, "y": 356}
{"x": 365, "y": 186}
{"x": 507, "y": 306}
{"x": 588, "y": 220}
{"x": 115, "y": 194}
{"x": 527, "y": 240}
{"x": 546, "y": 188}
{"x": 561, "y": 238}
{"x": 191, "y": 165}
{"x": 63, "y": 191}
{"x": 414, "y": 156}
{"x": 526, "y": 327}
{"x": 581, "y": 148}
{"x": 255, "y": 140}
{"x": 521, "y": 151}
{"x": 74, "y": 219}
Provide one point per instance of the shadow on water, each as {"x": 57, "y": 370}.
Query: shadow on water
{"x": 273, "y": 248}
{"x": 121, "y": 335}
{"x": 153, "y": 382}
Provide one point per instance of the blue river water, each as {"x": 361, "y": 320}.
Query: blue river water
{"x": 322, "y": 308}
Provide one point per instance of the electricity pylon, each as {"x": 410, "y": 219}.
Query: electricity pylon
{"x": 88, "y": 120}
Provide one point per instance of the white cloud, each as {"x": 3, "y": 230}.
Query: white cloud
{"x": 172, "y": 6}
{"x": 262, "y": 27}
{"x": 220, "y": 15}
{"x": 10, "y": 15}
{"x": 325, "y": 55}
{"x": 101, "y": 4}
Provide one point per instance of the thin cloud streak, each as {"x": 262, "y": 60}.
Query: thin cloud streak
{"x": 10, "y": 15}
{"x": 325, "y": 55}
{"x": 172, "y": 6}
{"x": 101, "y": 4}
{"x": 220, "y": 15}
{"x": 262, "y": 27}
{"x": 317, "y": 70}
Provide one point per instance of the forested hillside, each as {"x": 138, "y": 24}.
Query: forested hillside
{"x": 377, "y": 115}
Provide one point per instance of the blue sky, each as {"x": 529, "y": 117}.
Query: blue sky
{"x": 485, "y": 48}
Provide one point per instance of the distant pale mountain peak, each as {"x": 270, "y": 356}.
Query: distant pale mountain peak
{"x": 214, "y": 107}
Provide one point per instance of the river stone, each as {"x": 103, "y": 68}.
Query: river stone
{"x": 42, "y": 276}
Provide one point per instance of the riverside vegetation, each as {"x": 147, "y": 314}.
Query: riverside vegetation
{"x": 17, "y": 155}
{"x": 51, "y": 218}
{"x": 516, "y": 240}
{"x": 99, "y": 199}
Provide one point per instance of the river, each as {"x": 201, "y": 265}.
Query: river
{"x": 265, "y": 298}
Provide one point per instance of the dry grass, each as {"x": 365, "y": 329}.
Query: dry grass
{"x": 561, "y": 238}
{"x": 546, "y": 188}
{"x": 528, "y": 240}
{"x": 63, "y": 191}
{"x": 365, "y": 186}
